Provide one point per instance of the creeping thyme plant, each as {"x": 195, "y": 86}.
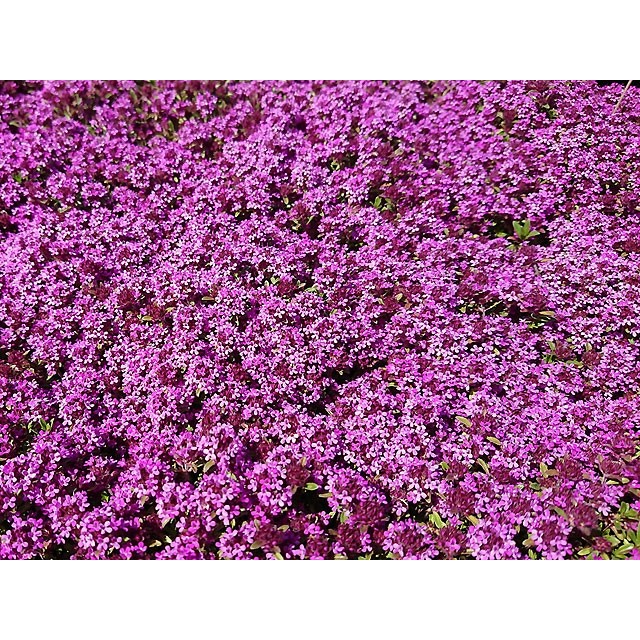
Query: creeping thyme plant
{"x": 319, "y": 320}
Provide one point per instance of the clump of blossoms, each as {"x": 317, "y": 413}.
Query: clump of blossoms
{"x": 319, "y": 320}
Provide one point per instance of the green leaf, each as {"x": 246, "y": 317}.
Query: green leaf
{"x": 311, "y": 486}
{"x": 523, "y": 229}
{"x": 208, "y": 465}
{"x": 483, "y": 464}
{"x": 465, "y": 421}
{"x": 435, "y": 519}
{"x": 494, "y": 441}
{"x": 256, "y": 545}
{"x": 518, "y": 229}
{"x": 585, "y": 552}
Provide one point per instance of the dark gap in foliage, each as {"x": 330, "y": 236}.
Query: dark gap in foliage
{"x": 343, "y": 376}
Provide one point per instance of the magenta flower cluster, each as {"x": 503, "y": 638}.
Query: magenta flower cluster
{"x": 319, "y": 320}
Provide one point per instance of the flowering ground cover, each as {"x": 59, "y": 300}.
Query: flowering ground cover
{"x": 319, "y": 320}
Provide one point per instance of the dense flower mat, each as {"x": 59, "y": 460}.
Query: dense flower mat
{"x": 319, "y": 320}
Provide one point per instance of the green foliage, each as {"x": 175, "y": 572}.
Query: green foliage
{"x": 523, "y": 231}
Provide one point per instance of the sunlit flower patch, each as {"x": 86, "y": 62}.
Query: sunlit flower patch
{"x": 319, "y": 320}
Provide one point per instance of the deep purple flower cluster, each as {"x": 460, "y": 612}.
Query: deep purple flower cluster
{"x": 319, "y": 320}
